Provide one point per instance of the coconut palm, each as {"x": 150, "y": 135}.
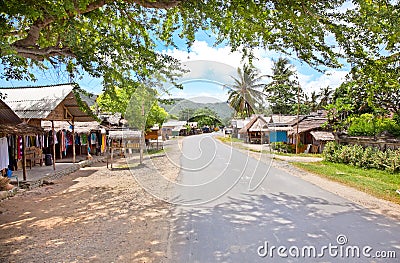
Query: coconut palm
{"x": 325, "y": 95}
{"x": 313, "y": 102}
{"x": 245, "y": 95}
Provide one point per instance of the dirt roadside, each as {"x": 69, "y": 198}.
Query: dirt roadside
{"x": 91, "y": 215}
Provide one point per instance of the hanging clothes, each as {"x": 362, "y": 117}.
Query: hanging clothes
{"x": 84, "y": 139}
{"x": 103, "y": 143}
{"x": 77, "y": 139}
{"x": 93, "y": 138}
{"x": 19, "y": 146}
{"x": 4, "y": 157}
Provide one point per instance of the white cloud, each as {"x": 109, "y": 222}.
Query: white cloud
{"x": 331, "y": 78}
{"x": 219, "y": 64}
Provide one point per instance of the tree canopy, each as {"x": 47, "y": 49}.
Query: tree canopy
{"x": 117, "y": 39}
{"x": 284, "y": 91}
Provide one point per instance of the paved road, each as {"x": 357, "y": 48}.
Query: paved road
{"x": 240, "y": 225}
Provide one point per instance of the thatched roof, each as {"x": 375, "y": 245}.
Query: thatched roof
{"x": 323, "y": 135}
{"x": 7, "y": 115}
{"x": 283, "y": 119}
{"x": 20, "y": 129}
{"x": 308, "y": 124}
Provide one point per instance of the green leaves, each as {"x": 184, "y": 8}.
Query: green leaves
{"x": 117, "y": 39}
{"x": 245, "y": 95}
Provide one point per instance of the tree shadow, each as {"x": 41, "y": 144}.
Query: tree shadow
{"x": 232, "y": 231}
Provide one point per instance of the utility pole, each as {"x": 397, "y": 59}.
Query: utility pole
{"x": 298, "y": 113}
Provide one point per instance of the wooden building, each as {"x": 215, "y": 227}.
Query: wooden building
{"x": 33, "y": 104}
{"x": 256, "y": 130}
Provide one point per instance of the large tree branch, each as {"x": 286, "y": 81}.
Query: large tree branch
{"x": 42, "y": 53}
{"x": 33, "y": 32}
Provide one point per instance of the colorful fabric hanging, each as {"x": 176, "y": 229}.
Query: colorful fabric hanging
{"x": 103, "y": 143}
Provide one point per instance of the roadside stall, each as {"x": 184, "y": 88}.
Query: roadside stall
{"x": 15, "y": 136}
{"x": 125, "y": 142}
{"x": 50, "y": 103}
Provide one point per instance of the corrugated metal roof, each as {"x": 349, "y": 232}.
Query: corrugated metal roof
{"x": 80, "y": 127}
{"x": 173, "y": 124}
{"x": 127, "y": 134}
{"x": 38, "y": 102}
{"x": 283, "y": 119}
{"x": 7, "y": 115}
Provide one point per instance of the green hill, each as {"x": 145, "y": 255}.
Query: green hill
{"x": 223, "y": 110}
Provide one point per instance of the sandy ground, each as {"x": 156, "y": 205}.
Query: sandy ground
{"x": 102, "y": 215}
{"x": 92, "y": 215}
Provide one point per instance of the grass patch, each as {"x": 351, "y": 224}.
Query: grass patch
{"x": 317, "y": 155}
{"x": 154, "y": 151}
{"x": 378, "y": 183}
{"x": 228, "y": 139}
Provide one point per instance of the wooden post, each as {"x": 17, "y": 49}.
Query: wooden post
{"x": 23, "y": 159}
{"x": 141, "y": 145}
{"x": 54, "y": 145}
{"x": 60, "y": 143}
{"x": 112, "y": 153}
{"x": 73, "y": 141}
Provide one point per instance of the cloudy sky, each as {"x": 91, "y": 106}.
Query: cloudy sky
{"x": 210, "y": 68}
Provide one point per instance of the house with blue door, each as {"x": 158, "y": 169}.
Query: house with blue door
{"x": 279, "y": 127}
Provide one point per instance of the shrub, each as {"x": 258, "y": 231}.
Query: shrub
{"x": 366, "y": 158}
{"x": 355, "y": 154}
{"x": 329, "y": 151}
{"x": 282, "y": 147}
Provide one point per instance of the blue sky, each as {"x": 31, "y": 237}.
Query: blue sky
{"x": 209, "y": 66}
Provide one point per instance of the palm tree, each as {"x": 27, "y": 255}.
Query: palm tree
{"x": 325, "y": 95}
{"x": 283, "y": 89}
{"x": 245, "y": 95}
{"x": 314, "y": 101}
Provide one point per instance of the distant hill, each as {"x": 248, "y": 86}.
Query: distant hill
{"x": 223, "y": 110}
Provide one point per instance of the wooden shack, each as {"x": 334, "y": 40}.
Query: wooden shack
{"x": 33, "y": 104}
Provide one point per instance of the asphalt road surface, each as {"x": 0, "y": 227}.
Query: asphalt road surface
{"x": 233, "y": 208}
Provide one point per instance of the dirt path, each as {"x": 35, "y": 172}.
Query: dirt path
{"x": 92, "y": 215}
